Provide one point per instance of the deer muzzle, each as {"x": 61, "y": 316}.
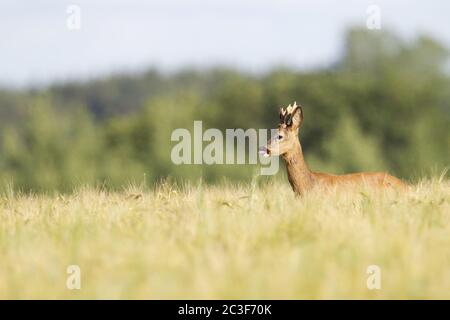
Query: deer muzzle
{"x": 264, "y": 152}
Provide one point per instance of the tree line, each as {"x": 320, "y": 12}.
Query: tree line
{"x": 383, "y": 105}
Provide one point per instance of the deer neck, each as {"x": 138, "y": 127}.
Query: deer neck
{"x": 299, "y": 175}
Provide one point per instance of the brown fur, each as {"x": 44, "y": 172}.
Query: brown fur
{"x": 300, "y": 177}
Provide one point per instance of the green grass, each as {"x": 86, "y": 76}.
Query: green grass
{"x": 227, "y": 242}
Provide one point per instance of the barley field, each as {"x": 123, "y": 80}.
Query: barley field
{"x": 230, "y": 241}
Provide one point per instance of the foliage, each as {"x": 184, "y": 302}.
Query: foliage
{"x": 385, "y": 105}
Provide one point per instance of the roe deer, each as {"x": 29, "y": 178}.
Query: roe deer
{"x": 287, "y": 144}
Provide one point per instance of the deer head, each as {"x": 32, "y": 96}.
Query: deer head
{"x": 286, "y": 138}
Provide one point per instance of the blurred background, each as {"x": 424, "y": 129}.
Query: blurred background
{"x": 91, "y": 95}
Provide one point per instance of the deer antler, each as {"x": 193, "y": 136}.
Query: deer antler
{"x": 287, "y": 114}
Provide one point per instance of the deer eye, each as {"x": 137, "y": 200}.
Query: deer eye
{"x": 280, "y": 137}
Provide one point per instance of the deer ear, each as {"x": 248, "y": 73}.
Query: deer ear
{"x": 297, "y": 118}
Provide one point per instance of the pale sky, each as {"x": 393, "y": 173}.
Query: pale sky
{"x": 36, "y": 47}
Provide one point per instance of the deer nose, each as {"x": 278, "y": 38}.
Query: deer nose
{"x": 264, "y": 151}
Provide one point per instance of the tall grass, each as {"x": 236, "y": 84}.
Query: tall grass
{"x": 227, "y": 242}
